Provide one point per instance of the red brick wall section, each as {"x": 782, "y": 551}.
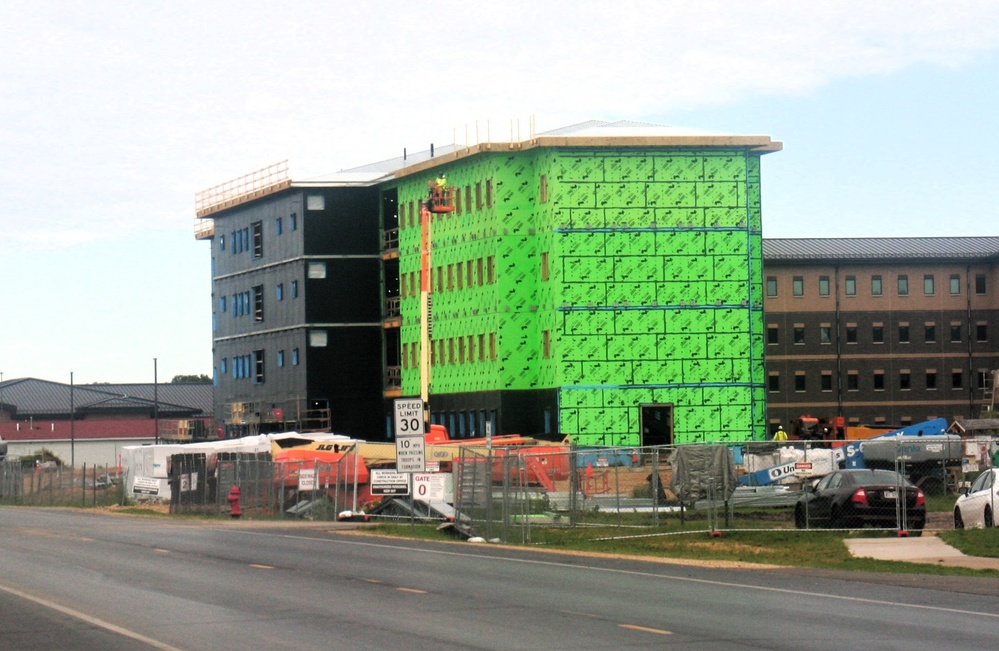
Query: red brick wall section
{"x": 82, "y": 429}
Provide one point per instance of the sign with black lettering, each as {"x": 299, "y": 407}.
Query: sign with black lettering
{"x": 410, "y": 452}
{"x": 389, "y": 482}
{"x": 408, "y": 417}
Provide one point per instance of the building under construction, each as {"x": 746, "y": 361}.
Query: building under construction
{"x": 602, "y": 281}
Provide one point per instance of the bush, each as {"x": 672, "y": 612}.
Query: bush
{"x": 38, "y": 457}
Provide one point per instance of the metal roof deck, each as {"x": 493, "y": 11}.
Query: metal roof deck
{"x": 859, "y": 249}
{"x": 32, "y": 397}
{"x": 592, "y": 133}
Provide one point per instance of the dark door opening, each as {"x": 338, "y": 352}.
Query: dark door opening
{"x": 657, "y": 425}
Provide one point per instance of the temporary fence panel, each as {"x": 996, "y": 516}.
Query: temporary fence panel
{"x": 517, "y": 494}
{"x": 513, "y": 494}
{"x": 53, "y": 484}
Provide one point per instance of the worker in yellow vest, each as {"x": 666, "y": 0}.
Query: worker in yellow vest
{"x": 780, "y": 434}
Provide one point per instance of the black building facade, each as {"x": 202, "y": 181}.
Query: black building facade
{"x": 296, "y": 277}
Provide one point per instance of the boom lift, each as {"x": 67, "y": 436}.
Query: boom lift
{"x": 440, "y": 196}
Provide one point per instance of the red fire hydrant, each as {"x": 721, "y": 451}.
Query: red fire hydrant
{"x": 234, "y": 510}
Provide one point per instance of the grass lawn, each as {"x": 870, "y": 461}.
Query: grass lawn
{"x": 692, "y": 541}
{"x": 974, "y": 542}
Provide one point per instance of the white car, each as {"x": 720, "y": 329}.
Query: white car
{"x": 976, "y": 507}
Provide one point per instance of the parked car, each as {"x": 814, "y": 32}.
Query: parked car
{"x": 848, "y": 499}
{"x": 976, "y": 507}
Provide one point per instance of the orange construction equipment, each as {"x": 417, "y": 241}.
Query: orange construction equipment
{"x": 810, "y": 428}
{"x": 440, "y": 197}
{"x": 332, "y": 467}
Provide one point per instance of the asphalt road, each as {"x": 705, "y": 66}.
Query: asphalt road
{"x": 82, "y": 580}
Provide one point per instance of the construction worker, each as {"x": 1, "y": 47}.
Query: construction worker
{"x": 441, "y": 182}
{"x": 780, "y": 434}
{"x": 656, "y": 487}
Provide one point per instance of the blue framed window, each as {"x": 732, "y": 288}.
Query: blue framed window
{"x": 293, "y": 221}
{"x": 294, "y": 357}
{"x": 221, "y": 241}
{"x": 280, "y": 291}
{"x": 222, "y": 365}
{"x": 280, "y": 358}
{"x": 221, "y": 303}
{"x": 277, "y": 226}
{"x": 294, "y": 289}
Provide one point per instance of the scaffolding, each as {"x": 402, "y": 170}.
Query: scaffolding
{"x": 293, "y": 415}
{"x": 242, "y": 189}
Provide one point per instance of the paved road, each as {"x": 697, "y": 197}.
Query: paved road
{"x": 111, "y": 582}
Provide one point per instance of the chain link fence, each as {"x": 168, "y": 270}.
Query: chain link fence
{"x": 200, "y": 484}
{"x": 53, "y": 484}
{"x": 515, "y": 495}
{"x": 518, "y": 494}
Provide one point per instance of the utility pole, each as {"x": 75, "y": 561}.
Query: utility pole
{"x": 72, "y": 424}
{"x": 425, "y": 282}
{"x": 156, "y": 405}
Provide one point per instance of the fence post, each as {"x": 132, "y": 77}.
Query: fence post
{"x": 488, "y": 483}
{"x": 617, "y": 489}
{"x": 573, "y": 485}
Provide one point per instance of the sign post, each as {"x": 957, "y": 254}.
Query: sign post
{"x": 410, "y": 448}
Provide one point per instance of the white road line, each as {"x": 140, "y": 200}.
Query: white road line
{"x": 156, "y": 644}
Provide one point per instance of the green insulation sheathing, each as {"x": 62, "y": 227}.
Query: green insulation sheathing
{"x": 617, "y": 277}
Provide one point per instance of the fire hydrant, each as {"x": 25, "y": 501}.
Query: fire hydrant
{"x": 234, "y": 510}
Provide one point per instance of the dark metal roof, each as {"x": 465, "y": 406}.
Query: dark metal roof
{"x": 880, "y": 248}
{"x": 196, "y": 395}
{"x": 33, "y": 397}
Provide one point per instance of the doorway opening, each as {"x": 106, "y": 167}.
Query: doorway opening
{"x": 657, "y": 425}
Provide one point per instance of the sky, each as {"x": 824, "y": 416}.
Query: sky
{"x": 114, "y": 114}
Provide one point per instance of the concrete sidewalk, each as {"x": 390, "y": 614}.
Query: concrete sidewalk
{"x": 926, "y": 549}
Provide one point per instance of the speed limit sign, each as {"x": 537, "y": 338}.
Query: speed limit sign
{"x": 408, "y": 417}
{"x": 410, "y": 455}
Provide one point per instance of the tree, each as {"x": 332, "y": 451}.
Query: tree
{"x": 190, "y": 379}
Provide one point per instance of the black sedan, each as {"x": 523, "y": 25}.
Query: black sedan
{"x": 848, "y": 499}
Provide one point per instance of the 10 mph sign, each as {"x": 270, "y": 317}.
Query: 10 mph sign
{"x": 410, "y": 453}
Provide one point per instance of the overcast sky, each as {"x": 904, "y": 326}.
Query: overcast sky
{"x": 113, "y": 115}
